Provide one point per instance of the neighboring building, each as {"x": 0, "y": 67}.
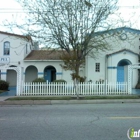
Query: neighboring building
{"x": 13, "y": 49}
{"x": 44, "y": 63}
{"x": 110, "y": 65}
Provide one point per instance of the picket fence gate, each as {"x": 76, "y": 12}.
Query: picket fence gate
{"x": 89, "y": 88}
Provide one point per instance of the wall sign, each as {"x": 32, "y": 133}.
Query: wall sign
{"x": 4, "y": 60}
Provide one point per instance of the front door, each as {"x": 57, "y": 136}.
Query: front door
{"x": 47, "y": 75}
{"x": 120, "y": 74}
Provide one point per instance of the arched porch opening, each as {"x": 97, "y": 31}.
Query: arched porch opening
{"x": 31, "y": 73}
{"x": 12, "y": 76}
{"x": 50, "y": 73}
{"x": 19, "y": 77}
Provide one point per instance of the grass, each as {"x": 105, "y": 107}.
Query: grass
{"x": 40, "y": 98}
{"x": 74, "y": 98}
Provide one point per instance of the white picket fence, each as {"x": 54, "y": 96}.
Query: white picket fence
{"x": 34, "y": 89}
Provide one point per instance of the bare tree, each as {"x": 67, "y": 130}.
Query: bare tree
{"x": 70, "y": 25}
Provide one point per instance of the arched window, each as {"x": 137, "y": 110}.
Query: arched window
{"x": 6, "y": 48}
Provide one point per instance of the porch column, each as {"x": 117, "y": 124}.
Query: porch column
{"x": 129, "y": 79}
{"x": 3, "y": 74}
{"x": 59, "y": 75}
{"x": 40, "y": 74}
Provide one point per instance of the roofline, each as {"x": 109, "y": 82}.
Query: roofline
{"x": 122, "y": 51}
{"x": 17, "y": 35}
{"x": 127, "y": 29}
{"x": 41, "y": 60}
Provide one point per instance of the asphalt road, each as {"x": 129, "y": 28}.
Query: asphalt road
{"x": 69, "y": 122}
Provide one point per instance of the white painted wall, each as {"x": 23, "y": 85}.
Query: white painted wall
{"x": 17, "y": 54}
{"x": 17, "y": 48}
{"x": 114, "y": 44}
{"x": 41, "y": 65}
{"x": 91, "y": 74}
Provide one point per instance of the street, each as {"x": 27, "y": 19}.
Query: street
{"x": 69, "y": 122}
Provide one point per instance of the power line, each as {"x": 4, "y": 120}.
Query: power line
{"x": 116, "y": 6}
{"x": 14, "y": 10}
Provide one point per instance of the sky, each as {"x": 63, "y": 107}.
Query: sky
{"x": 9, "y": 10}
{"x": 130, "y": 10}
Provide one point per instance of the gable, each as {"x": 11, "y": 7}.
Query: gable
{"x": 123, "y": 50}
{"x": 118, "y": 30}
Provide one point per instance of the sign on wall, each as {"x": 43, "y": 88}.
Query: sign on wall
{"x": 4, "y": 60}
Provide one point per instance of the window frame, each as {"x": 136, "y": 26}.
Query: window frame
{"x": 26, "y": 48}
{"x": 5, "y": 46}
{"x": 97, "y": 67}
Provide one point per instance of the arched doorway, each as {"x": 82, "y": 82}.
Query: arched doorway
{"x": 121, "y": 69}
{"x": 31, "y": 73}
{"x": 18, "y": 89}
{"x": 11, "y": 76}
{"x": 50, "y": 73}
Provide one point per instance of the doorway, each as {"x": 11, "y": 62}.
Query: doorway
{"x": 120, "y": 69}
{"x": 50, "y": 73}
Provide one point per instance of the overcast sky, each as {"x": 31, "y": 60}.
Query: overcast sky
{"x": 10, "y": 9}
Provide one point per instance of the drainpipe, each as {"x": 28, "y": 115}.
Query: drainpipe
{"x": 106, "y": 72}
{"x": 106, "y": 67}
{"x": 86, "y": 68}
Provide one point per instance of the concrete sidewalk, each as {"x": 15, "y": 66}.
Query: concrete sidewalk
{"x": 51, "y": 102}
{"x": 3, "y": 98}
{"x": 11, "y": 92}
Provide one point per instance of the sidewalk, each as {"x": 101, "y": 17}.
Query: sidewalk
{"x": 10, "y": 92}
{"x": 3, "y": 98}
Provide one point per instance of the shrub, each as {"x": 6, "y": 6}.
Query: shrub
{"x": 78, "y": 77}
{"x": 82, "y": 79}
{"x": 59, "y": 81}
{"x": 137, "y": 86}
{"x": 4, "y": 85}
{"x": 37, "y": 80}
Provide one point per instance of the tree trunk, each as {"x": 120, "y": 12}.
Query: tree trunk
{"x": 76, "y": 81}
{"x": 76, "y": 86}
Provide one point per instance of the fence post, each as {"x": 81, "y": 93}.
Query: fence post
{"x": 98, "y": 88}
{"x": 105, "y": 87}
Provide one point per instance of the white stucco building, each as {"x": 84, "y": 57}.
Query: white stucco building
{"x": 110, "y": 65}
{"x": 14, "y": 48}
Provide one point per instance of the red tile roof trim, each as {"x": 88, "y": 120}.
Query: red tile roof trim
{"x": 43, "y": 55}
{"x": 17, "y": 35}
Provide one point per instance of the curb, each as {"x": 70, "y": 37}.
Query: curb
{"x": 104, "y": 101}
{"x": 53, "y": 102}
{"x": 26, "y": 102}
